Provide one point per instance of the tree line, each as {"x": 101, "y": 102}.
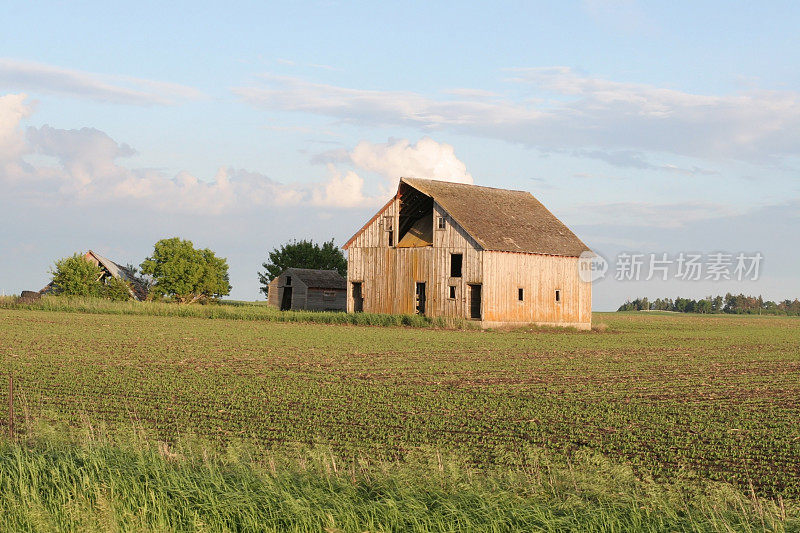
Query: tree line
{"x": 177, "y": 271}
{"x": 730, "y": 303}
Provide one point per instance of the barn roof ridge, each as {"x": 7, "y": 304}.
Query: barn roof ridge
{"x": 406, "y": 178}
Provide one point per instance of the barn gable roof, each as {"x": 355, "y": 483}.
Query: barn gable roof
{"x": 502, "y": 220}
{"x": 318, "y": 279}
{"x": 499, "y": 219}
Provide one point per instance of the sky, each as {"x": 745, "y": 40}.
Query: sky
{"x": 649, "y": 128}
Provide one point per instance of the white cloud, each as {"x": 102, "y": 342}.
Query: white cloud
{"x": 391, "y": 160}
{"x": 341, "y": 191}
{"x": 426, "y": 159}
{"x": 86, "y": 170}
{"x": 649, "y": 214}
{"x": 39, "y": 77}
{"x": 12, "y": 110}
{"x": 565, "y": 111}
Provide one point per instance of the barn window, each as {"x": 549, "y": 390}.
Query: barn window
{"x": 288, "y": 280}
{"x": 520, "y": 294}
{"x": 452, "y": 293}
{"x": 440, "y": 223}
{"x": 558, "y": 296}
{"x": 456, "y": 261}
{"x": 391, "y": 237}
{"x": 328, "y": 295}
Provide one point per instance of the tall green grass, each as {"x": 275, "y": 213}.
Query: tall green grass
{"x": 56, "y": 484}
{"x": 235, "y": 311}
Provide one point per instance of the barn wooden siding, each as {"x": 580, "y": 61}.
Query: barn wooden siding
{"x": 389, "y": 274}
{"x": 539, "y": 276}
{"x": 316, "y": 300}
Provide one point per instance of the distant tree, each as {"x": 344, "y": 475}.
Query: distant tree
{"x": 185, "y": 274}
{"x": 702, "y": 306}
{"x": 302, "y": 254}
{"x": 730, "y": 303}
{"x": 684, "y": 305}
{"x": 75, "y": 276}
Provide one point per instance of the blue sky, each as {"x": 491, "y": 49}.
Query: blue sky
{"x": 647, "y": 127}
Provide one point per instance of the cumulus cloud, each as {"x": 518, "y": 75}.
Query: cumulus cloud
{"x": 565, "y": 110}
{"x": 391, "y": 160}
{"x": 425, "y": 159}
{"x": 12, "y": 110}
{"x": 87, "y": 170}
{"x": 341, "y": 190}
{"x": 42, "y": 78}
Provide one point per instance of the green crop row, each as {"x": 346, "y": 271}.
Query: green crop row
{"x": 709, "y": 398}
{"x": 225, "y": 310}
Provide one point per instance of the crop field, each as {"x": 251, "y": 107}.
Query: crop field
{"x": 712, "y": 398}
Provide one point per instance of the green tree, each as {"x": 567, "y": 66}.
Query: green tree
{"x": 116, "y": 289}
{"x": 186, "y": 274}
{"x": 75, "y": 276}
{"x": 703, "y": 306}
{"x": 302, "y": 254}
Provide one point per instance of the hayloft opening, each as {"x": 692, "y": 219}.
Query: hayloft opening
{"x": 456, "y": 261}
{"x": 416, "y": 218}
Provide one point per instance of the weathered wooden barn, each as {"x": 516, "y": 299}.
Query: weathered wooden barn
{"x": 304, "y": 288}
{"x": 453, "y": 250}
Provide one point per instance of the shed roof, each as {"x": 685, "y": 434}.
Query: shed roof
{"x": 318, "y": 279}
{"x": 502, "y": 220}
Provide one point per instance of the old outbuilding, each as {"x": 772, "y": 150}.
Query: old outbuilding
{"x": 304, "y": 288}
{"x": 444, "y": 249}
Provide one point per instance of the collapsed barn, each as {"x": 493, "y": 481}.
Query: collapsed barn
{"x": 110, "y": 269}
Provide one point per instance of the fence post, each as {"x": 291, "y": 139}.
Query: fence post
{"x": 11, "y": 406}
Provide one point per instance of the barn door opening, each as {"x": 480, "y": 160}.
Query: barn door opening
{"x": 475, "y": 302}
{"x": 286, "y": 301}
{"x": 358, "y": 298}
{"x": 420, "y": 298}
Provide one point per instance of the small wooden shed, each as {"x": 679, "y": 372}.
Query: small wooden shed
{"x": 305, "y": 288}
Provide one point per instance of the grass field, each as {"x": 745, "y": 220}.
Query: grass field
{"x": 681, "y": 398}
{"x": 128, "y": 485}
